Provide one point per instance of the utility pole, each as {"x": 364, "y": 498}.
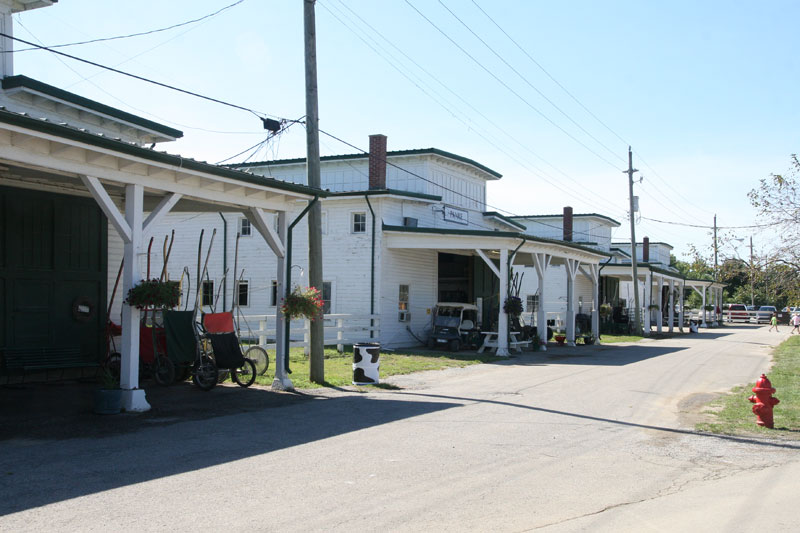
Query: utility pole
{"x": 637, "y": 323}
{"x": 752, "y": 284}
{"x": 716, "y": 264}
{"x": 317, "y": 371}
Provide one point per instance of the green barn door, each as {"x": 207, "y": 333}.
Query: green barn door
{"x": 52, "y": 272}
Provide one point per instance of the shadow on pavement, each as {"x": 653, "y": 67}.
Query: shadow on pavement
{"x": 145, "y": 447}
{"x": 605, "y": 355}
{"x": 732, "y": 438}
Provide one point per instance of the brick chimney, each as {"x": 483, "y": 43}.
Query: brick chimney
{"x": 567, "y": 223}
{"x": 646, "y": 250}
{"x": 377, "y": 161}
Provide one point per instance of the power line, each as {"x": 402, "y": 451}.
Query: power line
{"x": 515, "y": 93}
{"x": 141, "y": 78}
{"x": 707, "y": 227}
{"x": 568, "y": 93}
{"x": 531, "y": 85}
{"x": 476, "y": 129}
{"x": 457, "y": 193}
{"x": 102, "y": 39}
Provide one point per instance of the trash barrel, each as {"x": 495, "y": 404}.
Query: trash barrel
{"x": 366, "y": 363}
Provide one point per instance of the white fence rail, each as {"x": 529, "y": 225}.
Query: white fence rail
{"x": 340, "y": 329}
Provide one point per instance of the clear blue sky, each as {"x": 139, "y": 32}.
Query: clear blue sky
{"x": 705, "y": 92}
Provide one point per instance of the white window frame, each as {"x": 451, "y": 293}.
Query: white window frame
{"x": 403, "y": 305}
{"x": 245, "y": 222}
{"x": 274, "y": 297}
{"x": 353, "y": 216}
{"x": 238, "y": 285}
{"x": 332, "y": 299}
{"x": 207, "y": 282}
{"x": 532, "y": 303}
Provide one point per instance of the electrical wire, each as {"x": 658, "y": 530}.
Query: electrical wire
{"x": 707, "y": 227}
{"x": 139, "y": 34}
{"x": 141, "y": 78}
{"x": 457, "y": 193}
{"x": 528, "y": 82}
{"x": 472, "y": 127}
{"x": 568, "y": 93}
{"x": 510, "y": 89}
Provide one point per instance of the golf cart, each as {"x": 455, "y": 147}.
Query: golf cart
{"x": 454, "y": 326}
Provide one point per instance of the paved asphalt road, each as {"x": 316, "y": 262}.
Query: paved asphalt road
{"x": 577, "y": 439}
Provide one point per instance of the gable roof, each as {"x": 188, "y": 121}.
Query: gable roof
{"x": 395, "y": 153}
{"x": 575, "y": 215}
{"x": 101, "y": 141}
{"x": 18, "y": 83}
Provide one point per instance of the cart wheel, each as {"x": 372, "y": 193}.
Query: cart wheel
{"x": 259, "y": 356}
{"x": 205, "y": 373}
{"x": 246, "y": 375}
{"x": 163, "y": 371}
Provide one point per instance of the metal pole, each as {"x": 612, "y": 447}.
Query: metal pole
{"x": 716, "y": 264}
{"x": 637, "y": 323}
{"x": 317, "y": 370}
{"x": 752, "y": 284}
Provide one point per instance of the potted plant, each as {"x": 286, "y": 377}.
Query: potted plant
{"x": 588, "y": 339}
{"x": 560, "y": 337}
{"x": 513, "y": 306}
{"x": 303, "y": 302}
{"x": 108, "y": 398}
{"x": 605, "y": 311}
{"x": 154, "y": 293}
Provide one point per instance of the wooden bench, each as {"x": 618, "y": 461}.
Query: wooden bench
{"x": 27, "y": 359}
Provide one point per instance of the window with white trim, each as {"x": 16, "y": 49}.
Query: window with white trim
{"x": 208, "y": 293}
{"x": 243, "y": 294}
{"x": 245, "y": 230}
{"x": 358, "y": 222}
{"x": 273, "y": 298}
{"x": 402, "y": 298}
{"x": 532, "y": 303}
{"x": 327, "y": 297}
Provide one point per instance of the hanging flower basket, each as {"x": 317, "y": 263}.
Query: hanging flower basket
{"x": 303, "y": 302}
{"x": 605, "y": 310}
{"x": 654, "y": 307}
{"x": 154, "y": 293}
{"x": 513, "y": 306}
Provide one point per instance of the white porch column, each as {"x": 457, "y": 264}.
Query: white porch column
{"x": 671, "y": 304}
{"x": 541, "y": 262}
{"x": 660, "y": 316}
{"x": 502, "y": 320}
{"x": 133, "y": 398}
{"x": 281, "y": 381}
{"x": 572, "y": 269}
{"x": 682, "y": 299}
{"x": 648, "y": 298}
{"x": 594, "y": 270}
{"x": 703, "y": 310}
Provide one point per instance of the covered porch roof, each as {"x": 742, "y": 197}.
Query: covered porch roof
{"x": 468, "y": 241}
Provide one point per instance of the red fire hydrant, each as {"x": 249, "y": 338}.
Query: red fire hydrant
{"x": 764, "y": 402}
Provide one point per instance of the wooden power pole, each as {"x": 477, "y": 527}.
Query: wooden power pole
{"x": 317, "y": 371}
{"x": 637, "y": 321}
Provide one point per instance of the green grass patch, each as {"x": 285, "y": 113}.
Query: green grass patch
{"x": 339, "y": 367}
{"x": 610, "y": 339}
{"x": 732, "y": 413}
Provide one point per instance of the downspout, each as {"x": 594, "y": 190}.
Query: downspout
{"x": 371, "y": 272}
{"x": 224, "y": 261}
{"x": 287, "y": 289}
{"x": 511, "y": 257}
{"x": 599, "y": 271}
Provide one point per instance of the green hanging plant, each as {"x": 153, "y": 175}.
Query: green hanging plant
{"x": 303, "y": 302}
{"x": 154, "y": 293}
{"x": 513, "y": 306}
